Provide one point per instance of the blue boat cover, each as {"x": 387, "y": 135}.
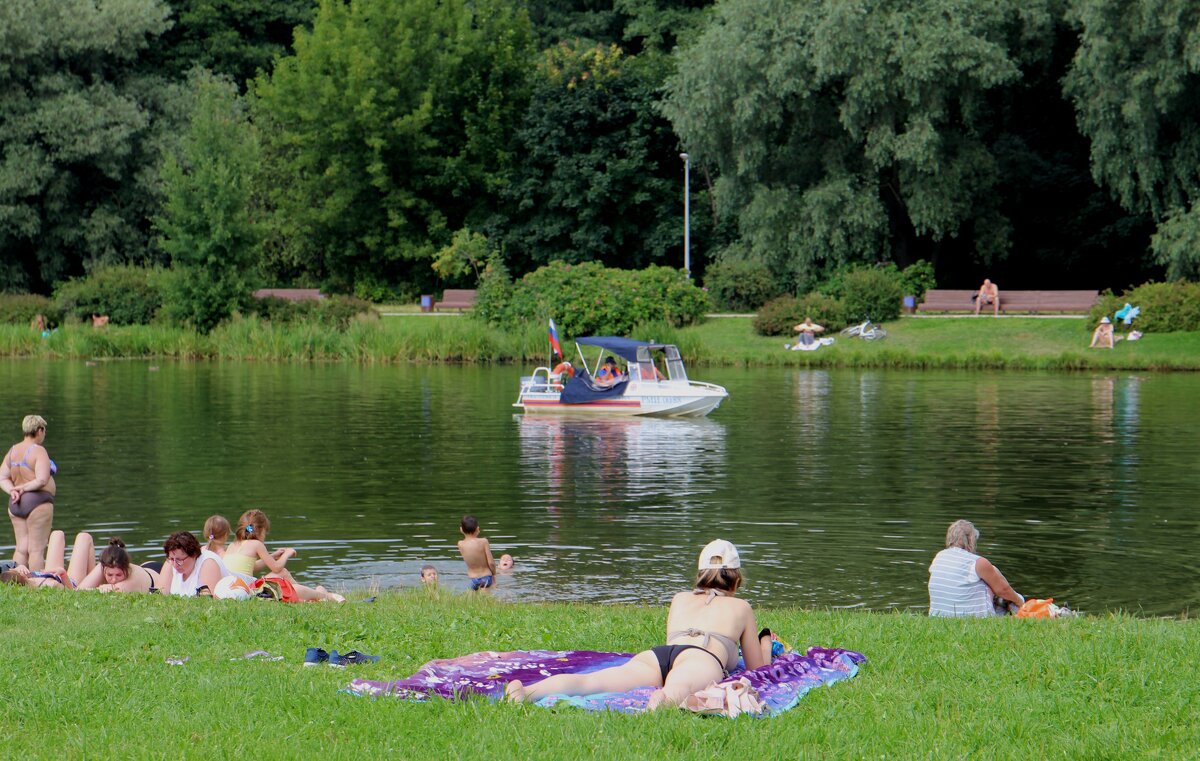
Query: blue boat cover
{"x": 579, "y": 390}
{"x": 625, "y": 347}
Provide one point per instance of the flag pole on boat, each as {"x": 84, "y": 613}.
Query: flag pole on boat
{"x": 555, "y": 347}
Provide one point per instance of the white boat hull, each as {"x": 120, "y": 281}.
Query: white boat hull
{"x": 667, "y": 399}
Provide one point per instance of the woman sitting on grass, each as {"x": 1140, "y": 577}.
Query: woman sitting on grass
{"x": 190, "y": 570}
{"x": 962, "y": 583}
{"x": 704, "y": 629}
{"x": 249, "y": 555}
{"x": 116, "y": 573}
{"x": 58, "y": 573}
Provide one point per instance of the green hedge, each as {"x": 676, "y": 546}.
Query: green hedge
{"x": 336, "y": 312}
{"x": 128, "y": 295}
{"x": 590, "y": 299}
{"x": 22, "y": 308}
{"x": 1165, "y": 307}
{"x": 779, "y": 317}
{"x": 740, "y": 286}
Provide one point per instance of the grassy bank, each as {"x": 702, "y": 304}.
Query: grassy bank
{"x": 86, "y": 675}
{"x": 1015, "y": 343}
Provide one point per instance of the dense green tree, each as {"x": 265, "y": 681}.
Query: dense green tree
{"x": 81, "y": 131}
{"x": 599, "y": 176}
{"x": 635, "y": 25}
{"x": 389, "y": 129}
{"x": 207, "y": 224}
{"x": 232, "y": 37}
{"x": 1135, "y": 83}
{"x": 846, "y": 131}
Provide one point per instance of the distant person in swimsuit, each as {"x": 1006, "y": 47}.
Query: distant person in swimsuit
{"x": 704, "y": 630}
{"x": 117, "y": 573}
{"x": 190, "y": 571}
{"x": 58, "y": 574}
{"x": 989, "y": 293}
{"x": 505, "y": 565}
{"x": 27, "y": 475}
{"x": 477, "y": 554}
{"x": 1102, "y": 336}
{"x": 609, "y": 373}
{"x": 429, "y": 575}
{"x": 249, "y": 555}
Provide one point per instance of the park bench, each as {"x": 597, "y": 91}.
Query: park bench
{"x": 1011, "y": 302}
{"x": 459, "y": 299}
{"x": 289, "y": 294}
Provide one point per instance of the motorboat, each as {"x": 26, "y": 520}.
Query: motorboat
{"x": 643, "y": 389}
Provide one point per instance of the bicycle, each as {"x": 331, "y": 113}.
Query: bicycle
{"x": 867, "y": 331}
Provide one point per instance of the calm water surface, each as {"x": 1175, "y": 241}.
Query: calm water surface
{"x": 836, "y": 485}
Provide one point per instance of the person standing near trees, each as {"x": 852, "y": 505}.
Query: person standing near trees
{"x": 27, "y": 475}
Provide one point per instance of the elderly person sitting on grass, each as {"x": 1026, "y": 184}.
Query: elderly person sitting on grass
{"x": 962, "y": 583}
{"x": 1102, "y": 336}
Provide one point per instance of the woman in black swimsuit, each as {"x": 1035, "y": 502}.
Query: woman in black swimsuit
{"x": 704, "y": 629}
{"x": 57, "y": 574}
{"x": 116, "y": 573}
{"x": 27, "y": 476}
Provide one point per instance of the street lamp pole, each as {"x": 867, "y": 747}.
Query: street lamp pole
{"x": 687, "y": 222}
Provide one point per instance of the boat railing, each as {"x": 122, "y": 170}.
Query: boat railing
{"x": 710, "y": 386}
{"x": 539, "y": 383}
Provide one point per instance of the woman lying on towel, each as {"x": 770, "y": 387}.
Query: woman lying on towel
{"x": 705, "y": 627}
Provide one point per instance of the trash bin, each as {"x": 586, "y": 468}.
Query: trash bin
{"x": 426, "y": 303}
{"x": 910, "y": 304}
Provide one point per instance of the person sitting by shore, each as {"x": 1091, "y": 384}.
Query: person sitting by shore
{"x": 190, "y": 570}
{"x": 99, "y": 321}
{"x": 1102, "y": 336}
{"x": 808, "y": 331}
{"x": 609, "y": 374}
{"x": 249, "y": 555}
{"x": 116, "y": 573}
{"x": 962, "y": 583}
{"x": 217, "y": 529}
{"x": 989, "y": 293}
{"x": 705, "y": 627}
{"x": 58, "y": 573}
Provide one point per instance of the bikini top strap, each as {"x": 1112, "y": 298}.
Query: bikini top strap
{"x": 710, "y": 592}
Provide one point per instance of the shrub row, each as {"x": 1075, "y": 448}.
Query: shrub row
{"x": 1165, "y": 307}
{"x": 336, "y": 312}
{"x": 22, "y": 308}
{"x": 590, "y": 299}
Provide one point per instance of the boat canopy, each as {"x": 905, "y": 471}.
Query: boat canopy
{"x": 626, "y": 348}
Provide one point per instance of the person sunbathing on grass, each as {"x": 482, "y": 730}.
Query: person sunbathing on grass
{"x": 57, "y": 574}
{"x": 116, "y": 573}
{"x": 704, "y": 629}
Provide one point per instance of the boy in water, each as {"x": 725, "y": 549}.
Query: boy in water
{"x": 429, "y": 575}
{"x": 477, "y": 554}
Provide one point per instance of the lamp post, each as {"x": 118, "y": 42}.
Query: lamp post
{"x": 687, "y": 222}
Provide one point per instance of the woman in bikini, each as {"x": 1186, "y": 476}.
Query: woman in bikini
{"x": 57, "y": 574}
{"x": 704, "y": 629}
{"x": 27, "y": 475}
{"x": 116, "y": 573}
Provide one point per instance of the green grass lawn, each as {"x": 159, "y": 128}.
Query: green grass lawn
{"x": 982, "y": 342}
{"x": 85, "y": 675}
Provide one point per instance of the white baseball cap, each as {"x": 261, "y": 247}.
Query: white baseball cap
{"x": 719, "y": 548}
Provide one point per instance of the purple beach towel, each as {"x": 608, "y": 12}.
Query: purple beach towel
{"x": 780, "y": 685}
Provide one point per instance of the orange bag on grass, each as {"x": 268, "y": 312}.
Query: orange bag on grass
{"x": 1037, "y": 608}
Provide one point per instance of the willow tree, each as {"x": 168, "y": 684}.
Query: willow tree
{"x": 843, "y": 130}
{"x": 1135, "y": 83}
{"x": 389, "y": 129}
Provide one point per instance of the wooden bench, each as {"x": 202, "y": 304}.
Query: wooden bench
{"x": 1011, "y": 302}
{"x": 289, "y": 294}
{"x": 459, "y": 299}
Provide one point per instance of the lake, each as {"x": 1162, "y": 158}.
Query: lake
{"x": 837, "y": 486}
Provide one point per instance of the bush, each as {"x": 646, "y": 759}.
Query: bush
{"x": 128, "y": 295}
{"x": 590, "y": 299}
{"x": 872, "y": 292}
{"x": 1165, "y": 307}
{"x": 336, "y": 312}
{"x": 779, "y": 316}
{"x": 917, "y": 278}
{"x": 21, "y": 308}
{"x": 740, "y": 285}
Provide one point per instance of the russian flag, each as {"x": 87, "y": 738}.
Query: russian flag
{"x": 554, "y": 345}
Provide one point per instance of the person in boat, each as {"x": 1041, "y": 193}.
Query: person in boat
{"x": 964, "y": 584}
{"x": 27, "y": 475}
{"x": 609, "y": 373}
{"x": 58, "y": 573}
{"x": 1102, "y": 336}
{"x": 705, "y": 627}
{"x": 562, "y": 372}
{"x": 190, "y": 570}
{"x": 117, "y": 573}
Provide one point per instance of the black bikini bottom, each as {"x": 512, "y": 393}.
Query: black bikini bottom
{"x": 666, "y": 655}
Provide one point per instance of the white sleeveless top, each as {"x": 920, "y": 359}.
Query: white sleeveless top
{"x": 955, "y": 589}
{"x": 187, "y": 587}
